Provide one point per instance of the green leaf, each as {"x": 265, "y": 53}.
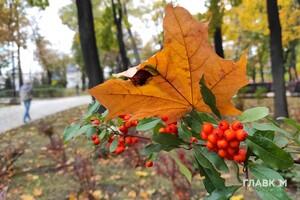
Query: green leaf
{"x": 93, "y": 108}
{"x": 218, "y": 162}
{"x": 182, "y": 168}
{"x": 103, "y": 134}
{"x": 290, "y": 122}
{"x": 253, "y": 114}
{"x": 270, "y": 153}
{"x": 113, "y": 146}
{"x": 269, "y": 127}
{"x": 209, "y": 98}
{"x": 266, "y": 134}
{"x": 151, "y": 148}
{"x": 90, "y": 131}
{"x": 223, "y": 194}
{"x": 262, "y": 173}
{"x": 168, "y": 141}
{"x": 183, "y": 132}
{"x": 213, "y": 178}
{"x": 147, "y": 124}
{"x": 75, "y": 130}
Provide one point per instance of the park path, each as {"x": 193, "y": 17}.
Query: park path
{"x": 12, "y": 116}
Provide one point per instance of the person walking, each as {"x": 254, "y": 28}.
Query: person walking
{"x": 26, "y": 97}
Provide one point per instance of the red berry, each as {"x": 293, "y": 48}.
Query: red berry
{"x": 236, "y": 125}
{"x": 134, "y": 140}
{"x": 134, "y": 122}
{"x": 94, "y": 136}
{"x": 210, "y": 145}
{"x": 203, "y": 135}
{"x": 222, "y": 144}
{"x": 222, "y": 153}
{"x": 128, "y": 140}
{"x": 172, "y": 128}
{"x": 241, "y": 135}
{"x": 231, "y": 151}
{"x": 164, "y": 118}
{"x": 168, "y": 129}
{"x": 149, "y": 163}
{"x": 193, "y": 140}
{"x": 242, "y": 152}
{"x": 126, "y": 117}
{"x": 207, "y": 128}
{"x": 212, "y": 138}
{"x": 96, "y": 141}
{"x": 218, "y": 132}
{"x": 229, "y": 134}
{"x": 127, "y": 124}
{"x": 123, "y": 129}
{"x": 223, "y": 125}
{"x": 234, "y": 144}
{"x": 96, "y": 122}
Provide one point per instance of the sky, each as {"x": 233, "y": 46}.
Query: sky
{"x": 60, "y": 36}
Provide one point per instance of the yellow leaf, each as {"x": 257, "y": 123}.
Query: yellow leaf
{"x": 141, "y": 173}
{"x": 237, "y": 197}
{"x": 174, "y": 89}
{"x": 37, "y": 192}
{"x": 97, "y": 194}
{"x": 26, "y": 197}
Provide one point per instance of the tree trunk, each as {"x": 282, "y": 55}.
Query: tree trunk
{"x": 83, "y": 86}
{"x": 20, "y": 68}
{"x": 134, "y": 46}
{"x": 261, "y": 71}
{"x": 117, "y": 15}
{"x": 280, "y": 101}
{"x": 88, "y": 42}
{"x": 218, "y": 41}
{"x": 293, "y": 60}
{"x": 49, "y": 77}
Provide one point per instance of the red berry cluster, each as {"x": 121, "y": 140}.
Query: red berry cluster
{"x": 225, "y": 139}
{"x": 127, "y": 123}
{"x": 95, "y": 139}
{"x": 170, "y": 128}
{"x": 123, "y": 141}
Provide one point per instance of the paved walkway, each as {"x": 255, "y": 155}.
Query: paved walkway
{"x": 12, "y": 116}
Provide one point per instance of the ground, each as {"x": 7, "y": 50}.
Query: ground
{"x": 37, "y": 172}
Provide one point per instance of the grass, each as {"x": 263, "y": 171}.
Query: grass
{"x": 115, "y": 177}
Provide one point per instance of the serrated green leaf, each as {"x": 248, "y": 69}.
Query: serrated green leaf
{"x": 147, "y": 124}
{"x": 209, "y": 98}
{"x": 74, "y": 131}
{"x": 213, "y": 178}
{"x": 253, "y": 114}
{"x": 183, "y": 169}
{"x": 103, "y": 134}
{"x": 263, "y": 173}
{"x": 151, "y": 148}
{"x": 90, "y": 131}
{"x": 113, "y": 146}
{"x": 266, "y": 134}
{"x": 93, "y": 108}
{"x": 270, "y": 153}
{"x": 183, "y": 132}
{"x": 217, "y": 162}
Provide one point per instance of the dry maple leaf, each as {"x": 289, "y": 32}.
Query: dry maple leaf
{"x": 174, "y": 88}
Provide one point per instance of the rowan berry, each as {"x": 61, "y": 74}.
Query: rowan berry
{"x": 210, "y": 145}
{"x": 218, "y": 132}
{"x": 126, "y": 117}
{"x": 172, "y": 128}
{"x": 96, "y": 141}
{"x": 164, "y": 118}
{"x": 229, "y": 134}
{"x": 236, "y": 125}
{"x": 123, "y": 129}
{"x": 128, "y": 140}
{"x": 242, "y": 152}
{"x": 231, "y": 151}
{"x": 212, "y": 138}
{"x": 193, "y": 140}
{"x": 134, "y": 140}
{"x": 134, "y": 122}
{"x": 241, "y": 135}
{"x": 94, "y": 136}
{"x": 149, "y": 163}
{"x": 120, "y": 149}
{"x": 222, "y": 144}
{"x": 223, "y": 125}
{"x": 96, "y": 122}
{"x": 234, "y": 144}
{"x": 207, "y": 128}
{"x": 222, "y": 153}
{"x": 203, "y": 135}
{"x": 127, "y": 124}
